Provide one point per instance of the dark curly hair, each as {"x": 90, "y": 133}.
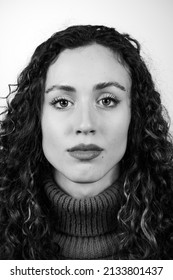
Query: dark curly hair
{"x": 145, "y": 218}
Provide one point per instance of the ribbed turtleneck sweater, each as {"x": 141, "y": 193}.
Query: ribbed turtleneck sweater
{"x": 86, "y": 228}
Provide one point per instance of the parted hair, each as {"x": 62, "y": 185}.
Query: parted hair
{"x": 145, "y": 219}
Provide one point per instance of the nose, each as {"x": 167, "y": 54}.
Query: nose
{"x": 86, "y": 120}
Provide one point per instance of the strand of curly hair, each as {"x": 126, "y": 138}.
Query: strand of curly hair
{"x": 145, "y": 218}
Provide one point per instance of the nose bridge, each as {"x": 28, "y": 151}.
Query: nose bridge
{"x": 85, "y": 117}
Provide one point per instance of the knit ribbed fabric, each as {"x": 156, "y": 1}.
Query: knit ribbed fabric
{"x": 85, "y": 228}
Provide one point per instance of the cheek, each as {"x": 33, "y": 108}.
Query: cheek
{"x": 52, "y": 134}
{"x": 117, "y": 131}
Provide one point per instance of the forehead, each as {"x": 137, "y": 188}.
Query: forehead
{"x": 91, "y": 63}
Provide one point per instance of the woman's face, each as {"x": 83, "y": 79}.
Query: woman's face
{"x": 85, "y": 118}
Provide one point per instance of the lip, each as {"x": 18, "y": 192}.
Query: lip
{"x": 85, "y": 152}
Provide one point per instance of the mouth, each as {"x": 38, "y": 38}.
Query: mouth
{"x": 85, "y": 152}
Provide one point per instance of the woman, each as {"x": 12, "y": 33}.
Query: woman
{"x": 86, "y": 155}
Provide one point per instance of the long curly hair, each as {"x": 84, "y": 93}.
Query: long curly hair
{"x": 145, "y": 219}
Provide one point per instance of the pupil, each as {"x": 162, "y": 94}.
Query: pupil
{"x": 106, "y": 101}
{"x": 63, "y": 103}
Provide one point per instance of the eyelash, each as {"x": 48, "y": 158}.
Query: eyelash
{"x": 111, "y": 97}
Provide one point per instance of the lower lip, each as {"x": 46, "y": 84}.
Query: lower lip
{"x": 85, "y": 155}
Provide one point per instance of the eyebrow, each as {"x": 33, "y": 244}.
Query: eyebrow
{"x": 61, "y": 87}
{"x": 98, "y": 86}
{"x": 109, "y": 84}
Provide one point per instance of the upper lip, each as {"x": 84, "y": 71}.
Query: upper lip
{"x": 83, "y": 147}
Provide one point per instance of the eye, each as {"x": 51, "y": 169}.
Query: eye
{"x": 61, "y": 103}
{"x": 108, "y": 101}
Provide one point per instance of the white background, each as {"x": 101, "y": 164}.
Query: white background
{"x": 26, "y": 23}
{"x": 83, "y": 266}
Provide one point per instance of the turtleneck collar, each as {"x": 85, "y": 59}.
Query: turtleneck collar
{"x": 85, "y": 217}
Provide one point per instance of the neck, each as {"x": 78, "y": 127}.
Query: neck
{"x": 85, "y": 228}
{"x": 94, "y": 215}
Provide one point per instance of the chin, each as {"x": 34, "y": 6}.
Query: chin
{"x": 85, "y": 179}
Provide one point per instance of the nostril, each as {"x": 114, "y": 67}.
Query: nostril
{"x": 92, "y": 131}
{"x": 78, "y": 131}
{"x": 85, "y": 131}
